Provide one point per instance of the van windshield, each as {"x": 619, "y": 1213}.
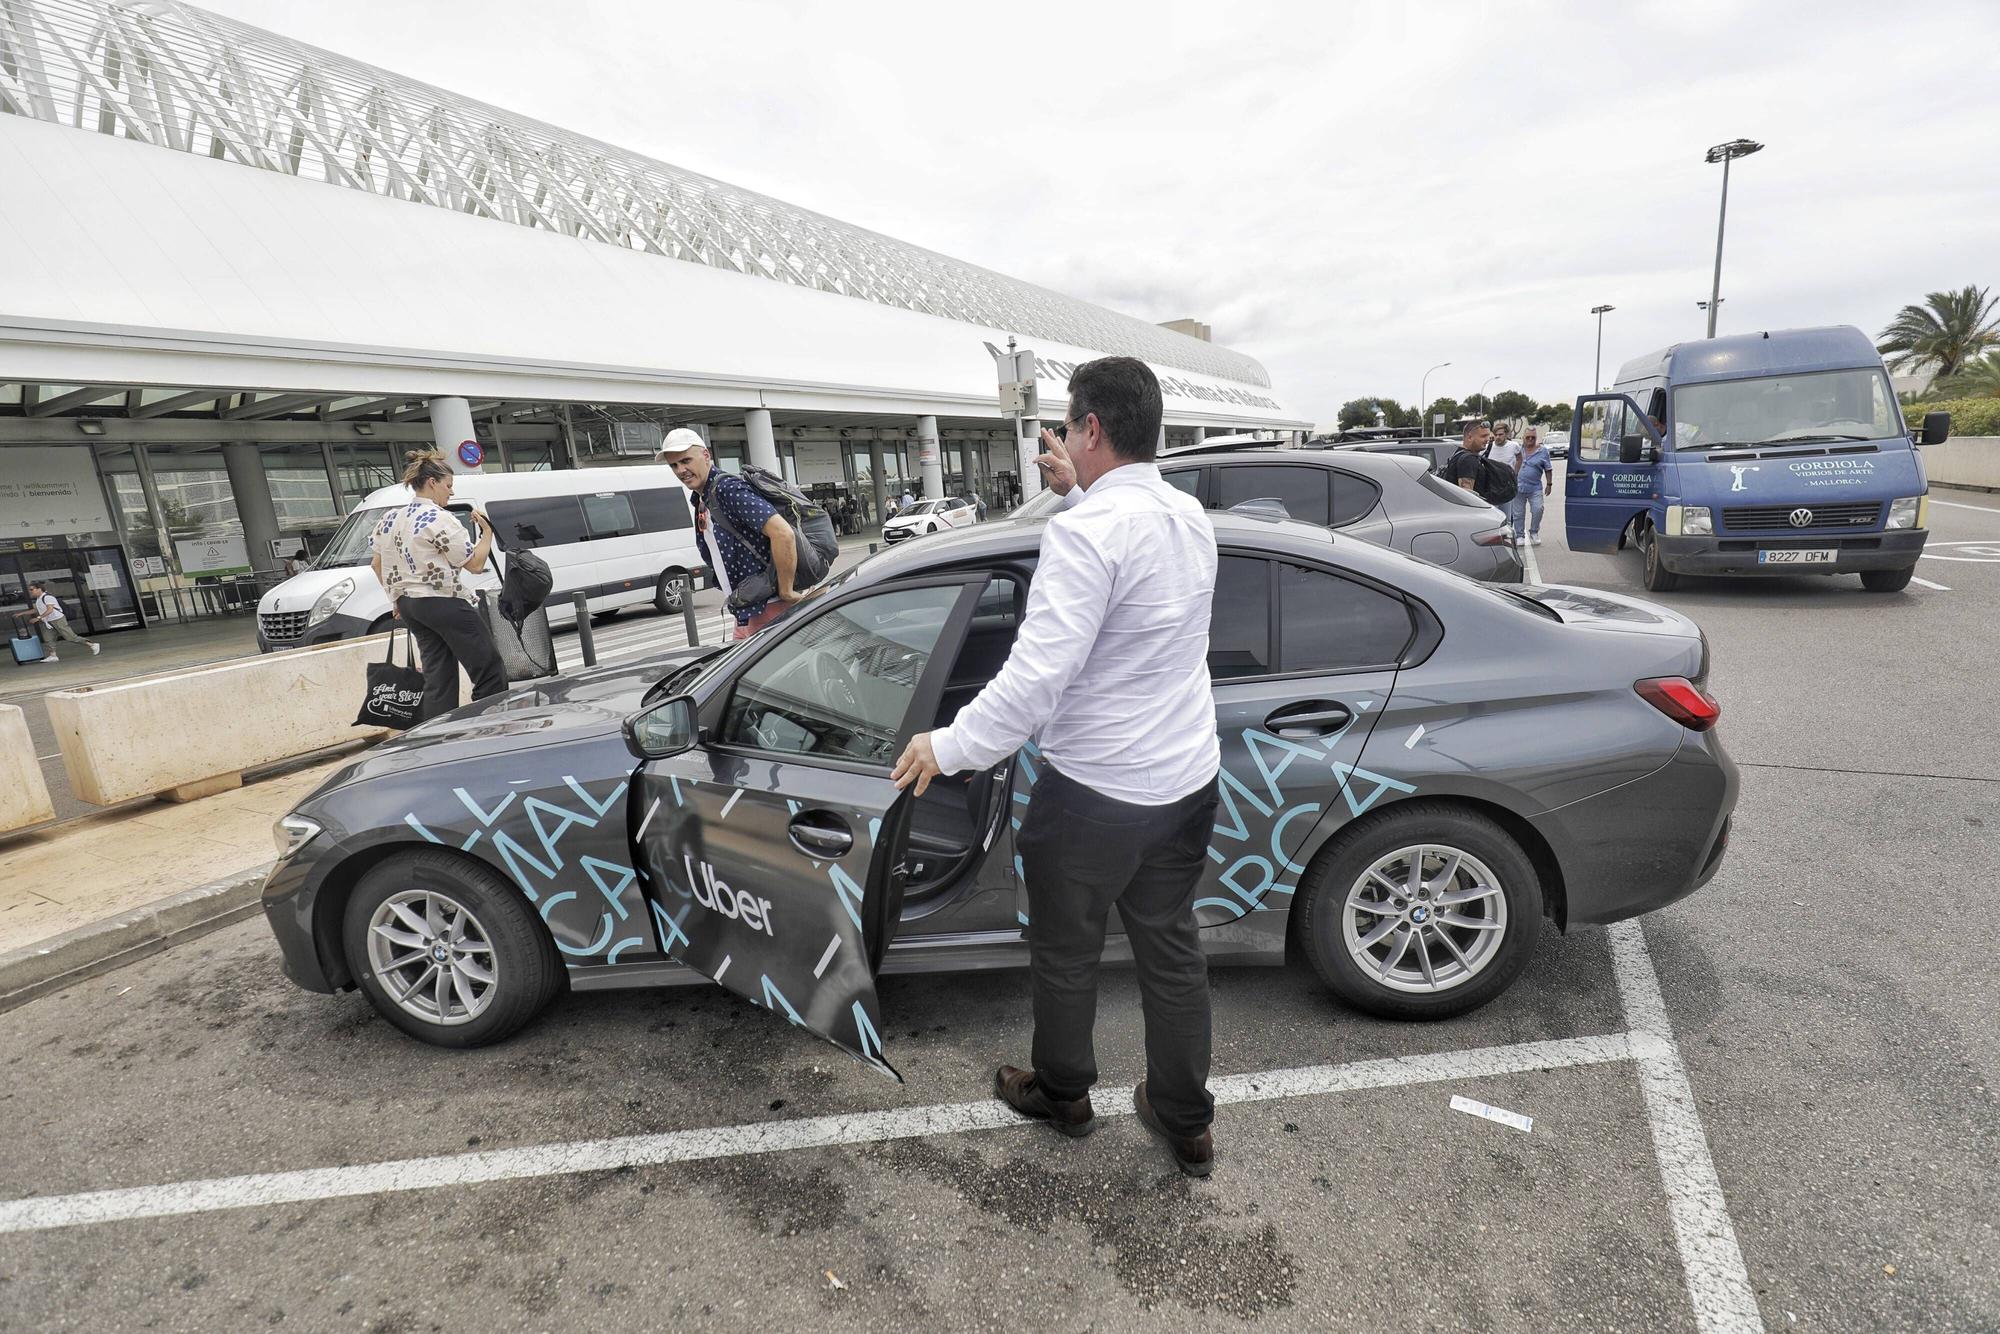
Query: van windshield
{"x": 1786, "y": 409}
{"x": 350, "y": 542}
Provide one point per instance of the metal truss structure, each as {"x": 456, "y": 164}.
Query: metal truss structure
{"x": 182, "y": 78}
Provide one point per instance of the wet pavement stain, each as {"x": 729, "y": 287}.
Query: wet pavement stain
{"x": 1165, "y": 1233}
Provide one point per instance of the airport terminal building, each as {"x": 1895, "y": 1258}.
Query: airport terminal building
{"x": 244, "y": 275}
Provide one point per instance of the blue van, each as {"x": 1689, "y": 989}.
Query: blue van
{"x": 1778, "y": 453}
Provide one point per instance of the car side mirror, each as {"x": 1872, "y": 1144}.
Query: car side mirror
{"x": 664, "y": 730}
{"x": 1937, "y": 426}
{"x": 1631, "y": 449}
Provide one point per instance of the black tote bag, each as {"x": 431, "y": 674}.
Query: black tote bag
{"x": 395, "y": 695}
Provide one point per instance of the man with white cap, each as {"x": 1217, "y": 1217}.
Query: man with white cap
{"x": 749, "y": 540}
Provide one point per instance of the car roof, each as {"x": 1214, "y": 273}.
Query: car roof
{"x": 490, "y": 486}
{"x": 1369, "y": 463}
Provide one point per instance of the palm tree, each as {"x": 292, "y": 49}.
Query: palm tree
{"x": 1947, "y": 331}
{"x": 1979, "y": 379}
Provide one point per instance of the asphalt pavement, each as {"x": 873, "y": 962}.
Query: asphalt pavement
{"x": 1810, "y": 1124}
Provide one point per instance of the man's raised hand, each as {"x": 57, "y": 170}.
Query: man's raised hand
{"x": 1054, "y": 461}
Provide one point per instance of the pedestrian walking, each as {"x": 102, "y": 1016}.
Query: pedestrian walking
{"x": 419, "y": 549}
{"x": 1534, "y": 482}
{"x": 1110, "y": 672}
{"x": 1505, "y": 449}
{"x": 749, "y": 539}
{"x": 908, "y": 500}
{"x": 53, "y": 622}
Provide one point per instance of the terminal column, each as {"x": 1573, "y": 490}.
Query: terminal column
{"x": 930, "y": 467}
{"x": 760, "y": 446}
{"x": 252, "y": 492}
{"x": 451, "y": 427}
{"x": 875, "y": 476}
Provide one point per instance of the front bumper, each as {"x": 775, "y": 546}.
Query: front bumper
{"x": 337, "y": 626}
{"x": 891, "y": 536}
{"x": 1735, "y": 554}
{"x": 1647, "y": 843}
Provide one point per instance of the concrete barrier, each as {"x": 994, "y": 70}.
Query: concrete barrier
{"x": 188, "y": 734}
{"x": 1972, "y": 460}
{"x": 24, "y": 797}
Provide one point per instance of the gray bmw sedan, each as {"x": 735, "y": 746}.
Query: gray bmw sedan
{"x": 1418, "y": 769}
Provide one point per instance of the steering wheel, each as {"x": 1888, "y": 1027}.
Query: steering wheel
{"x": 835, "y": 685}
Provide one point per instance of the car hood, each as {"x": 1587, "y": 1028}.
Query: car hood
{"x": 299, "y": 592}
{"x": 1800, "y": 474}
{"x": 576, "y": 706}
{"x": 905, "y": 521}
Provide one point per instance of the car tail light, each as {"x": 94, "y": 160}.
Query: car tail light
{"x": 1492, "y": 538}
{"x": 1681, "y": 700}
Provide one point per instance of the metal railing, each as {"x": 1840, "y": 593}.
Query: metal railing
{"x": 185, "y": 79}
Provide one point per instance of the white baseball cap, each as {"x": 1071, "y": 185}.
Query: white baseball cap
{"x": 678, "y": 442}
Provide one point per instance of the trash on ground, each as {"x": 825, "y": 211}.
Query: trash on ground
{"x": 1500, "y": 1114}
{"x": 834, "y": 1279}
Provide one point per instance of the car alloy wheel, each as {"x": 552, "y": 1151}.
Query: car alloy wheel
{"x": 432, "y": 957}
{"x": 1425, "y": 919}
{"x": 673, "y": 587}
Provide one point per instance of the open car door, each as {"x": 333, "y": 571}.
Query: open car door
{"x": 764, "y": 821}
{"x": 1612, "y": 472}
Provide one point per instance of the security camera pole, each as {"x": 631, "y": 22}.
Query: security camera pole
{"x": 1020, "y": 402}
{"x": 1725, "y": 154}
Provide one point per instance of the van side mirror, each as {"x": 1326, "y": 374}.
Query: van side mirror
{"x": 1937, "y": 426}
{"x": 664, "y": 730}
{"x": 1632, "y": 449}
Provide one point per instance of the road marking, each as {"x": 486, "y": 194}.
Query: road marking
{"x": 1961, "y": 505}
{"x": 1718, "y": 1284}
{"x": 1928, "y": 584}
{"x": 1534, "y": 566}
{"x": 682, "y": 1146}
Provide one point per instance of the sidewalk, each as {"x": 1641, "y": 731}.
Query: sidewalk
{"x": 89, "y": 871}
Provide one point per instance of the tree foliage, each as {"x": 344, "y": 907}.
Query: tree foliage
{"x": 1949, "y": 330}
{"x": 1448, "y": 408}
{"x": 1512, "y": 403}
{"x": 1356, "y": 412}
{"x": 1556, "y": 415}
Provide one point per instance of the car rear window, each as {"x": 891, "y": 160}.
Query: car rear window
{"x": 1457, "y": 495}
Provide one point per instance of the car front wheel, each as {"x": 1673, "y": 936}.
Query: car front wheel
{"x": 447, "y": 951}
{"x": 667, "y": 595}
{"x": 1427, "y": 912}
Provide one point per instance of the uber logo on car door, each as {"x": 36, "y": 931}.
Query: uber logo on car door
{"x": 714, "y": 894}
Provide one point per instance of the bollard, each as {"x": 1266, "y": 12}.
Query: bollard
{"x": 687, "y": 612}
{"x": 584, "y": 638}
{"x": 871, "y": 548}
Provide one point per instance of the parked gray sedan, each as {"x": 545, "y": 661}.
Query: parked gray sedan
{"x": 1417, "y": 769}
{"x": 1389, "y": 499}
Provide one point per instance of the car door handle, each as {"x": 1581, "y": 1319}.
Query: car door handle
{"x": 821, "y": 834}
{"x": 1313, "y": 718}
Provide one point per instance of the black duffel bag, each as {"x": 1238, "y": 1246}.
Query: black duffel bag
{"x": 395, "y": 695}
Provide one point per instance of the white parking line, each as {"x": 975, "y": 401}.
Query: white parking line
{"x": 1942, "y": 588}
{"x": 1718, "y": 1283}
{"x": 1533, "y": 566}
{"x": 682, "y": 1146}
{"x": 1960, "y": 505}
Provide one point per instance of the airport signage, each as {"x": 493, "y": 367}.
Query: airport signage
{"x": 46, "y": 491}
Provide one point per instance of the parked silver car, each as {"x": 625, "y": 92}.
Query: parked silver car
{"x": 1390, "y": 499}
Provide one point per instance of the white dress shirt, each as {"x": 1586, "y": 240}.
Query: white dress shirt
{"x": 1110, "y": 666}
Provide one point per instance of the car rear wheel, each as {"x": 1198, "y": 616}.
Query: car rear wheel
{"x": 672, "y": 588}
{"x": 446, "y": 951}
{"x": 1659, "y": 579}
{"x": 1427, "y": 912}
{"x": 1887, "y": 581}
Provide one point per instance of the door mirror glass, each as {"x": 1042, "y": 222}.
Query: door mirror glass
{"x": 1937, "y": 426}
{"x": 664, "y": 730}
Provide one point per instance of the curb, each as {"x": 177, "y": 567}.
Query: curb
{"x": 73, "y": 956}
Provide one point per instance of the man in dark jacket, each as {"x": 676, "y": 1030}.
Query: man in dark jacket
{"x": 749, "y": 537}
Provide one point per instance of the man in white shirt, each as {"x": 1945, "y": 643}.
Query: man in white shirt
{"x": 1110, "y": 670}
{"x": 53, "y": 622}
{"x": 1505, "y": 449}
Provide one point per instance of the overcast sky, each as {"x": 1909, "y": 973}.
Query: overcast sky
{"x": 1349, "y": 193}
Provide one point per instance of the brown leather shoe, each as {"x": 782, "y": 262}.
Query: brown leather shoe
{"x": 1196, "y": 1156}
{"x": 1018, "y": 1089}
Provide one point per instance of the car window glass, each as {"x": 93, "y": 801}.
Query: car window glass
{"x": 1331, "y": 624}
{"x": 841, "y": 684}
{"x": 1600, "y": 429}
{"x": 609, "y": 514}
{"x": 662, "y": 509}
{"x": 540, "y": 521}
{"x": 1239, "y": 625}
{"x": 1353, "y": 497}
{"x": 1301, "y": 490}
{"x": 1187, "y": 479}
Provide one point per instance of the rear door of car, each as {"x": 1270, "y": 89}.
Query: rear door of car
{"x": 768, "y": 849}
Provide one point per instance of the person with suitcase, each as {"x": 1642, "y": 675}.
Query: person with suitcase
{"x": 54, "y": 623}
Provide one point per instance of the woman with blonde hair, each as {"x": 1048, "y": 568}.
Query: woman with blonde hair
{"x": 419, "y": 550}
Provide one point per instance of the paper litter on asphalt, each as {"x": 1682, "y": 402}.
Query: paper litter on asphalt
{"x": 1500, "y": 1114}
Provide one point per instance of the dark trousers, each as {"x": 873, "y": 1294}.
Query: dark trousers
{"x": 449, "y": 632}
{"x": 1082, "y": 852}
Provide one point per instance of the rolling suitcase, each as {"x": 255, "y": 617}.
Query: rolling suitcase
{"x": 27, "y": 649}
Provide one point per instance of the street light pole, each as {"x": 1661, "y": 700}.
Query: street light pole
{"x": 1486, "y": 409}
{"x": 1725, "y": 154}
{"x": 1423, "y": 391}
{"x": 1597, "y": 376}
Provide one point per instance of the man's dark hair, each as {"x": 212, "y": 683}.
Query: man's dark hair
{"x": 1474, "y": 425}
{"x": 36, "y": 583}
{"x": 1125, "y": 395}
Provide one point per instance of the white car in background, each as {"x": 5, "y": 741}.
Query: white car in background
{"x": 931, "y": 516}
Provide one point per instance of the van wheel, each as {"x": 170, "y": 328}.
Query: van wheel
{"x": 1427, "y": 912}
{"x": 1887, "y": 581}
{"x": 671, "y": 592}
{"x": 1658, "y": 578}
{"x": 446, "y": 951}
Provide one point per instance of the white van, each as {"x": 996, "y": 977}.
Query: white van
{"x": 623, "y": 535}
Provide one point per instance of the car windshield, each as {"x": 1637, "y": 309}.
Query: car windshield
{"x": 350, "y": 545}
{"x": 922, "y": 507}
{"x": 1786, "y": 409}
